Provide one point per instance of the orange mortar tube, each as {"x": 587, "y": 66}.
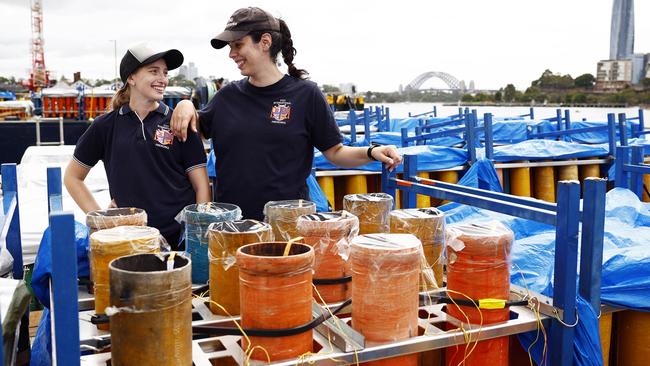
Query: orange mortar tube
{"x": 385, "y": 270}
{"x": 329, "y": 233}
{"x": 276, "y": 293}
{"x": 478, "y": 267}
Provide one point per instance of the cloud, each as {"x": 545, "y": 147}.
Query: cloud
{"x": 375, "y": 45}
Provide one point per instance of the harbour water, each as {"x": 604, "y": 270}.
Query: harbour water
{"x": 401, "y": 110}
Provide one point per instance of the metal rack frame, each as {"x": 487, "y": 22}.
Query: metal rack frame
{"x": 381, "y": 116}
{"x": 630, "y": 169}
{"x": 467, "y": 126}
{"x": 337, "y": 341}
{"x": 565, "y": 216}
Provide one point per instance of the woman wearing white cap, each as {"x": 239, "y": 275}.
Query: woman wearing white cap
{"x": 264, "y": 127}
{"x": 145, "y": 165}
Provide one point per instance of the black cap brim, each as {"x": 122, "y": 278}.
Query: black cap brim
{"x": 173, "y": 58}
{"x": 221, "y": 40}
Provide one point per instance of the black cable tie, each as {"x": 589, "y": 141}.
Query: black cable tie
{"x": 99, "y": 319}
{"x": 221, "y": 331}
{"x": 331, "y": 281}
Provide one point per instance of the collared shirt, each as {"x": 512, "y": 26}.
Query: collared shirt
{"x": 264, "y": 139}
{"x": 145, "y": 164}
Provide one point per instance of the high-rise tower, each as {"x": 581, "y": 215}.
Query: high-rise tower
{"x": 621, "y": 44}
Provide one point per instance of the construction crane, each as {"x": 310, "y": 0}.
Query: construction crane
{"x": 40, "y": 76}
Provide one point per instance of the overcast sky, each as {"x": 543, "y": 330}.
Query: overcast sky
{"x": 376, "y": 45}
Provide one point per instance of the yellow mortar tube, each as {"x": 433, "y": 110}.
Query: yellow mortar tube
{"x": 520, "y": 181}
{"x": 544, "y": 186}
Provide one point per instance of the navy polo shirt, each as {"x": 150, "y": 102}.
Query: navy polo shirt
{"x": 145, "y": 165}
{"x": 264, "y": 140}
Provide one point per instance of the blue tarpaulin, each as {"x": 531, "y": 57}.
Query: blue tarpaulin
{"x": 429, "y": 158}
{"x": 548, "y": 149}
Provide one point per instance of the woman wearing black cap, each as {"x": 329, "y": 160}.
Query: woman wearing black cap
{"x": 145, "y": 165}
{"x": 264, "y": 127}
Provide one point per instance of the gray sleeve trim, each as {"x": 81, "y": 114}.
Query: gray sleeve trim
{"x": 202, "y": 165}
{"x": 82, "y": 163}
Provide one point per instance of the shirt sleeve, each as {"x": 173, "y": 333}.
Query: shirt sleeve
{"x": 324, "y": 132}
{"x": 205, "y": 117}
{"x": 90, "y": 146}
{"x": 192, "y": 152}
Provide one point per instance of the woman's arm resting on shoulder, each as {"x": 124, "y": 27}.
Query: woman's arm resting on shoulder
{"x": 73, "y": 179}
{"x": 184, "y": 116}
{"x": 199, "y": 179}
{"x": 350, "y": 157}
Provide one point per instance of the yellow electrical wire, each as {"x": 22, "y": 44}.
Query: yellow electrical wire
{"x": 248, "y": 351}
{"x": 540, "y": 325}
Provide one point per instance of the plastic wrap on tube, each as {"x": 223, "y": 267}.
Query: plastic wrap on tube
{"x": 372, "y": 209}
{"x": 282, "y": 216}
{"x": 428, "y": 225}
{"x": 276, "y": 293}
{"x": 112, "y": 217}
{"x": 330, "y": 234}
{"x": 109, "y": 244}
{"x": 227, "y": 236}
{"x": 197, "y": 218}
{"x": 385, "y": 271}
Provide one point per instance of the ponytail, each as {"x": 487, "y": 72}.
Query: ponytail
{"x": 288, "y": 51}
{"x": 282, "y": 42}
{"x": 120, "y": 98}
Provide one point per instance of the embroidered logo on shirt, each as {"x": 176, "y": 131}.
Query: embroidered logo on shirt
{"x": 281, "y": 112}
{"x": 163, "y": 136}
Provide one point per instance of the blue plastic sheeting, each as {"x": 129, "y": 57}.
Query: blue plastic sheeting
{"x": 598, "y": 137}
{"x": 640, "y": 142}
{"x": 429, "y": 158}
{"x": 42, "y": 346}
{"x": 547, "y": 149}
{"x": 43, "y": 262}
{"x": 481, "y": 175}
{"x": 626, "y": 252}
{"x": 7, "y": 95}
{"x": 396, "y": 124}
{"x": 317, "y": 195}
{"x": 212, "y": 160}
{"x": 586, "y": 345}
{"x": 395, "y": 138}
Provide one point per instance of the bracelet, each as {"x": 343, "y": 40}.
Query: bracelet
{"x": 369, "y": 151}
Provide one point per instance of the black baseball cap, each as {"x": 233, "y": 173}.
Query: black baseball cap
{"x": 141, "y": 54}
{"x": 244, "y": 21}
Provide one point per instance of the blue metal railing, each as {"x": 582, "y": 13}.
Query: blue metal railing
{"x": 63, "y": 282}
{"x": 469, "y": 131}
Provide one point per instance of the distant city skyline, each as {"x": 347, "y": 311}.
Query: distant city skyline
{"x": 374, "y": 45}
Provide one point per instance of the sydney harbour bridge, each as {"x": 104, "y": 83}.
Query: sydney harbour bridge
{"x": 452, "y": 82}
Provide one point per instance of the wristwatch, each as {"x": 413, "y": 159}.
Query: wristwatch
{"x": 369, "y": 151}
